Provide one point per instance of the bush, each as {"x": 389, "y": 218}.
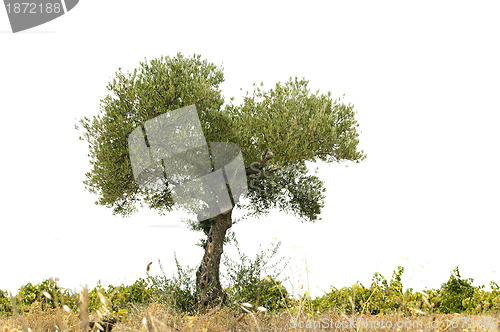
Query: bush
{"x": 457, "y": 295}
{"x": 47, "y": 293}
{"x": 5, "y": 303}
{"x": 381, "y": 296}
{"x": 249, "y": 284}
{"x": 139, "y": 293}
{"x": 179, "y": 291}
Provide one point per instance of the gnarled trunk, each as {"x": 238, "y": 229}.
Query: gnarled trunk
{"x": 210, "y": 291}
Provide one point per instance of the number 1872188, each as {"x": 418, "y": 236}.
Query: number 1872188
{"x": 33, "y": 8}
{"x": 470, "y": 322}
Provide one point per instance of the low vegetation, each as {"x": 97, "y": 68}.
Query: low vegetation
{"x": 254, "y": 302}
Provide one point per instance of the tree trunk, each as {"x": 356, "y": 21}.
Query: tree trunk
{"x": 208, "y": 285}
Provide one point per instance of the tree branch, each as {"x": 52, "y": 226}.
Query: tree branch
{"x": 257, "y": 170}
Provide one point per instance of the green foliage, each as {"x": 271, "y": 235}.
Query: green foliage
{"x": 248, "y": 282}
{"x": 290, "y": 189}
{"x": 48, "y": 293}
{"x": 293, "y": 125}
{"x": 282, "y": 128}
{"x": 381, "y": 296}
{"x": 139, "y": 293}
{"x": 5, "y": 303}
{"x": 179, "y": 291}
{"x": 277, "y": 131}
{"x": 152, "y": 89}
{"x": 457, "y": 295}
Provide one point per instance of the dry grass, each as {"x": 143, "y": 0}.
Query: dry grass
{"x": 160, "y": 318}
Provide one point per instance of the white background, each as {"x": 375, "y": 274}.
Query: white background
{"x": 423, "y": 76}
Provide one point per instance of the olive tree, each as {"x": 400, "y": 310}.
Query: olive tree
{"x": 278, "y": 131}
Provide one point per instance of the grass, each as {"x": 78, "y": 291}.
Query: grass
{"x": 160, "y": 304}
{"x": 161, "y": 318}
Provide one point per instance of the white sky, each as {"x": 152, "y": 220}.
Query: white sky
{"x": 424, "y": 78}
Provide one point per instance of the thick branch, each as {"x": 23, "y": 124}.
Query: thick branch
{"x": 257, "y": 169}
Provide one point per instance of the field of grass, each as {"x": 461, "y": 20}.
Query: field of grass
{"x": 256, "y": 302}
{"x": 159, "y": 317}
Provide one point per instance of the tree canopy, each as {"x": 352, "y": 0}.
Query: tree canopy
{"x": 278, "y": 131}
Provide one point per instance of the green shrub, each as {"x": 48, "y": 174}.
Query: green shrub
{"x": 48, "y": 293}
{"x": 381, "y": 296}
{"x": 457, "y": 295}
{"x": 5, "y": 303}
{"x": 249, "y": 284}
{"x": 179, "y": 291}
{"x": 139, "y": 293}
